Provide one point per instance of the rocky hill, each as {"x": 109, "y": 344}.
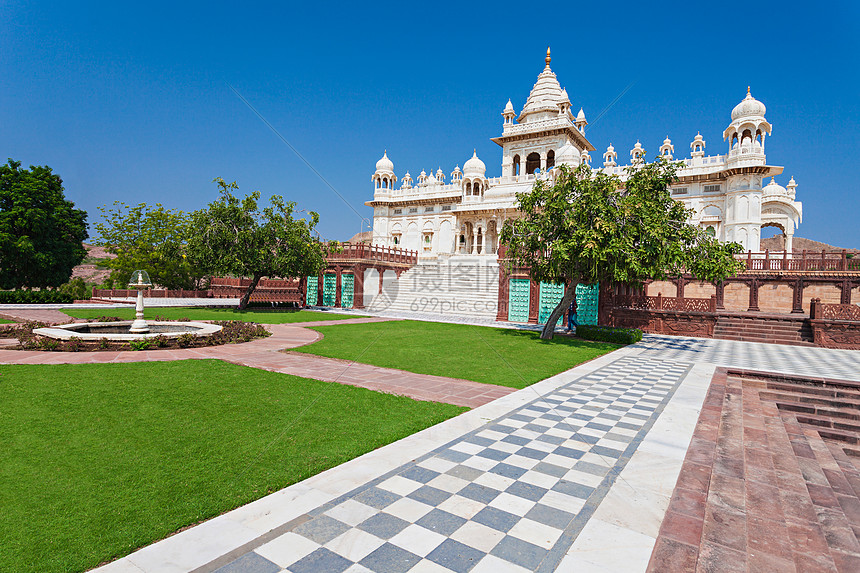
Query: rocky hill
{"x": 799, "y": 244}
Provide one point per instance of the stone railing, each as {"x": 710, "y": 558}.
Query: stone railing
{"x": 835, "y": 325}
{"x": 821, "y": 311}
{"x": 268, "y": 290}
{"x": 661, "y": 302}
{"x": 375, "y": 253}
{"x": 805, "y": 261}
{"x": 151, "y": 293}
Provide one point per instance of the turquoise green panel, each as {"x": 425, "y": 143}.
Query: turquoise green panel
{"x": 550, "y": 295}
{"x": 329, "y": 289}
{"x": 518, "y": 300}
{"x": 586, "y": 303}
{"x": 313, "y": 289}
{"x": 347, "y": 283}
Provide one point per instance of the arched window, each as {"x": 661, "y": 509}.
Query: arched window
{"x": 515, "y": 167}
{"x": 532, "y": 163}
{"x": 468, "y": 188}
{"x": 710, "y": 231}
{"x": 550, "y": 159}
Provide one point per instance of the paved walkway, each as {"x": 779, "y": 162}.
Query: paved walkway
{"x": 574, "y": 473}
{"x": 265, "y": 354}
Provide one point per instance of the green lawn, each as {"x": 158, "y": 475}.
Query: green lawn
{"x": 196, "y": 313}
{"x": 501, "y": 356}
{"x": 101, "y": 459}
{"x": 6, "y": 321}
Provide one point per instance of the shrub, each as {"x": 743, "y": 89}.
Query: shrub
{"x": 73, "y": 344}
{"x": 141, "y": 344}
{"x": 185, "y": 340}
{"x": 105, "y": 344}
{"x": 77, "y": 289}
{"x": 609, "y": 334}
{"x": 160, "y": 341}
{"x": 48, "y": 344}
{"x": 35, "y": 297}
{"x": 105, "y": 319}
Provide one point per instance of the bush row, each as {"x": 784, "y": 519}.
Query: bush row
{"x": 35, "y": 297}
{"x": 609, "y": 334}
{"x": 231, "y": 332}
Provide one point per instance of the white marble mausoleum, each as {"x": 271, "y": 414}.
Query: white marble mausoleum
{"x": 732, "y": 195}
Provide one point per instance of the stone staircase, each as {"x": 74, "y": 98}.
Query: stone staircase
{"x": 465, "y": 287}
{"x": 775, "y": 329}
{"x": 771, "y": 480}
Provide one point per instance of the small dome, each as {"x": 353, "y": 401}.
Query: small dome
{"x": 430, "y": 180}
{"x": 610, "y": 149}
{"x": 581, "y": 115}
{"x": 773, "y": 188}
{"x": 749, "y": 107}
{"x": 567, "y": 154}
{"x": 509, "y": 108}
{"x": 564, "y": 97}
{"x": 439, "y": 175}
{"x": 385, "y": 164}
{"x": 667, "y": 141}
{"x": 474, "y": 166}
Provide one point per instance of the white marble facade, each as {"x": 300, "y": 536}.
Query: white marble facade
{"x": 730, "y": 194}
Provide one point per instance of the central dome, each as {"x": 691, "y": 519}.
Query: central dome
{"x": 749, "y": 107}
{"x": 474, "y": 166}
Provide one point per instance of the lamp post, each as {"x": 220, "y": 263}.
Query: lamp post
{"x": 139, "y": 280}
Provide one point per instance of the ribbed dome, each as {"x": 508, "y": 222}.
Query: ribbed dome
{"x": 545, "y": 96}
{"x": 567, "y": 154}
{"x": 385, "y": 164}
{"x": 774, "y": 188}
{"x": 474, "y": 166}
{"x": 749, "y": 107}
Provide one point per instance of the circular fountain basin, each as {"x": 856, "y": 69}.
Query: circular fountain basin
{"x": 119, "y": 330}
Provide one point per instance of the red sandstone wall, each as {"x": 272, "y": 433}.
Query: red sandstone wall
{"x": 699, "y": 289}
{"x": 829, "y": 294}
{"x": 775, "y": 297}
{"x": 736, "y": 296}
{"x": 666, "y": 288}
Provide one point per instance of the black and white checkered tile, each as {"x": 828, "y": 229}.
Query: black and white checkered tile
{"x": 800, "y": 360}
{"x": 509, "y": 496}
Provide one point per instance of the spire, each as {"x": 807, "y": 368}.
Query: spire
{"x": 548, "y": 58}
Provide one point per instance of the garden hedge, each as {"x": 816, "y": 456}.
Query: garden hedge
{"x": 35, "y": 297}
{"x": 609, "y": 334}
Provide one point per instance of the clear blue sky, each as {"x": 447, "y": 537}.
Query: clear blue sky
{"x": 130, "y": 102}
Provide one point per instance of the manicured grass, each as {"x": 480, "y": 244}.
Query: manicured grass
{"x": 501, "y": 356}
{"x": 196, "y": 313}
{"x": 101, "y": 459}
{"x": 5, "y": 321}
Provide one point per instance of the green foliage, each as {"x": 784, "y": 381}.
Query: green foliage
{"x": 35, "y": 297}
{"x": 141, "y": 344}
{"x": 85, "y": 474}
{"x": 609, "y": 334}
{"x": 77, "y": 288}
{"x": 149, "y": 238}
{"x": 73, "y": 344}
{"x": 589, "y": 227}
{"x": 236, "y": 237}
{"x": 185, "y": 340}
{"x": 40, "y": 231}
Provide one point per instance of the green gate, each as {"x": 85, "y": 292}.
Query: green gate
{"x": 313, "y": 291}
{"x": 347, "y": 283}
{"x": 586, "y": 303}
{"x": 518, "y": 300}
{"x": 550, "y": 295}
{"x": 329, "y": 289}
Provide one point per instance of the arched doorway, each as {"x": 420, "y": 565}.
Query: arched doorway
{"x": 532, "y": 163}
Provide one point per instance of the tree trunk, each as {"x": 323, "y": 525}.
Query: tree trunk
{"x": 549, "y": 328}
{"x": 243, "y": 302}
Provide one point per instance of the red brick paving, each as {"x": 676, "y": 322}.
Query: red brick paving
{"x": 762, "y": 487}
{"x": 265, "y": 354}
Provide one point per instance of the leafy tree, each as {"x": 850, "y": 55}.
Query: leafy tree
{"x": 150, "y": 238}
{"x": 590, "y": 227}
{"x": 41, "y": 233}
{"x": 234, "y": 236}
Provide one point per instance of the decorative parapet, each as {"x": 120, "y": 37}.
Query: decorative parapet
{"x": 835, "y": 325}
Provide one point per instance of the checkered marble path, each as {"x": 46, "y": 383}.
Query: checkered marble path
{"x": 511, "y": 495}
{"x": 799, "y": 360}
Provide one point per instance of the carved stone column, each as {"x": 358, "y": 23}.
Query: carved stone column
{"x": 358, "y": 287}
{"x": 680, "y": 283}
{"x": 721, "y": 291}
{"x": 338, "y": 270}
{"x": 797, "y": 297}
{"x": 534, "y": 301}
{"x": 502, "y": 303}
{"x": 753, "y": 306}
{"x": 845, "y": 297}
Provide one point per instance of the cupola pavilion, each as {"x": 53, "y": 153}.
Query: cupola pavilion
{"x": 729, "y": 194}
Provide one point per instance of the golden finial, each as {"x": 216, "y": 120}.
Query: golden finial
{"x": 548, "y": 58}
{"x": 748, "y": 90}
